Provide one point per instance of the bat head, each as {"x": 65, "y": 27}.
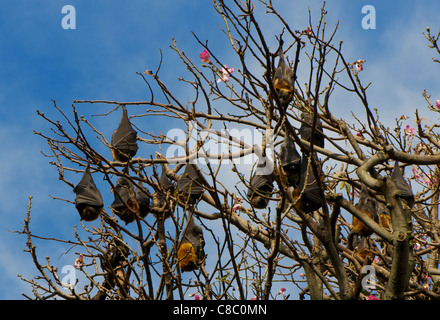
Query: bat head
{"x": 123, "y": 142}
{"x": 285, "y": 95}
{"x": 88, "y": 212}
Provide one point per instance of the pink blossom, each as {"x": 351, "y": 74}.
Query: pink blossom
{"x": 417, "y": 175}
{"x": 196, "y": 297}
{"x": 437, "y": 104}
{"x": 79, "y": 262}
{"x": 409, "y": 130}
{"x": 417, "y": 246}
{"x": 238, "y": 207}
{"x": 254, "y": 298}
{"x": 431, "y": 180}
{"x": 309, "y": 31}
{"x": 302, "y": 275}
{"x": 354, "y": 193}
{"x": 372, "y": 297}
{"x": 359, "y": 64}
{"x": 282, "y": 290}
{"x": 225, "y": 74}
{"x": 428, "y": 181}
{"x": 205, "y": 56}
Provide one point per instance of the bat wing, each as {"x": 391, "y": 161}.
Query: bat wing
{"x": 283, "y": 77}
{"x": 288, "y": 154}
{"x": 191, "y": 250}
{"x": 311, "y": 193}
{"x": 403, "y": 187}
{"x": 123, "y": 193}
{"x": 125, "y": 205}
{"x": 87, "y": 192}
{"x": 305, "y": 130}
{"x": 367, "y": 203}
{"x": 194, "y": 235}
{"x": 384, "y": 216}
{"x": 164, "y": 181}
{"x": 124, "y": 137}
{"x": 166, "y": 184}
{"x": 144, "y": 202}
{"x": 260, "y": 182}
{"x": 189, "y": 182}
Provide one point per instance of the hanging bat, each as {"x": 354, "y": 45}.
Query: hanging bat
{"x": 143, "y": 200}
{"x": 364, "y": 250}
{"x": 88, "y": 200}
{"x": 189, "y": 184}
{"x": 403, "y": 187}
{"x": 123, "y": 143}
{"x": 305, "y": 130}
{"x": 114, "y": 266}
{"x": 290, "y": 161}
{"x": 283, "y": 81}
{"x": 384, "y": 218}
{"x": 368, "y": 205}
{"x": 260, "y": 189}
{"x": 125, "y": 205}
{"x": 191, "y": 253}
{"x": 159, "y": 205}
{"x": 307, "y": 195}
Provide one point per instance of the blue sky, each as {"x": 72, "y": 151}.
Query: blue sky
{"x": 113, "y": 40}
